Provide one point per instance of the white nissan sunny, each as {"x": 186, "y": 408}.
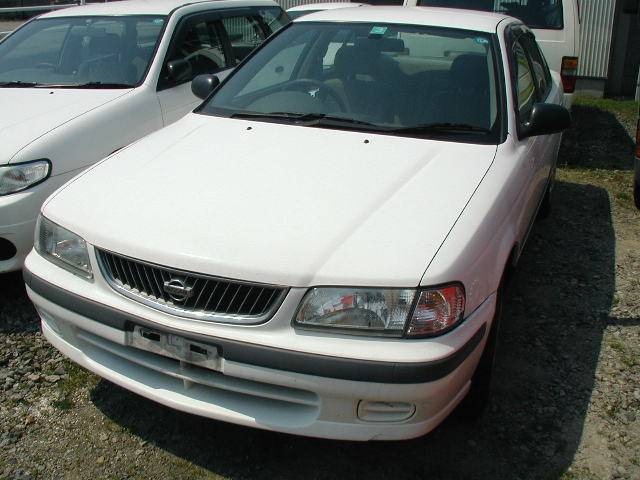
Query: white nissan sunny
{"x": 320, "y": 247}
{"x": 80, "y": 83}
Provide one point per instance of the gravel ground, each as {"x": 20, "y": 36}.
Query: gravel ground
{"x": 567, "y": 393}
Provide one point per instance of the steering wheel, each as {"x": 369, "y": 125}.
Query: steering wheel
{"x": 323, "y": 90}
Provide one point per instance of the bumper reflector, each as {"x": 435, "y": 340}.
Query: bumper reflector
{"x": 385, "y": 411}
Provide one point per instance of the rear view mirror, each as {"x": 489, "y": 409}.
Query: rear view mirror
{"x": 179, "y": 70}
{"x": 204, "y": 84}
{"x": 546, "y": 118}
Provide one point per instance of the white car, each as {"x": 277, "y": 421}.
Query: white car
{"x": 555, "y": 24}
{"x": 320, "y": 247}
{"x": 300, "y": 10}
{"x": 80, "y": 83}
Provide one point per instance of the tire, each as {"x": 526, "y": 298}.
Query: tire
{"x": 474, "y": 405}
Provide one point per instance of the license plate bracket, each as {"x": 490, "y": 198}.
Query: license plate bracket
{"x": 175, "y": 346}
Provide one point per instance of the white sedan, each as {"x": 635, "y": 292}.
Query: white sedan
{"x": 320, "y": 247}
{"x": 80, "y": 83}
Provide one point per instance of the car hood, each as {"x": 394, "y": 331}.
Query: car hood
{"x": 29, "y": 113}
{"x": 275, "y": 203}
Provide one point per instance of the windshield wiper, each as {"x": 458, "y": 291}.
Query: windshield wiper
{"x": 454, "y": 128}
{"x": 323, "y": 120}
{"x": 18, "y": 84}
{"x": 315, "y": 119}
{"x": 276, "y": 115}
{"x": 21, "y": 84}
{"x": 90, "y": 85}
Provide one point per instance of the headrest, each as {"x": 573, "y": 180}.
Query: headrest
{"x": 391, "y": 45}
{"x": 343, "y": 59}
{"x": 109, "y": 43}
{"x": 469, "y": 66}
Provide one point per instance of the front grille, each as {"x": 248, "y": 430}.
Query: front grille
{"x": 190, "y": 294}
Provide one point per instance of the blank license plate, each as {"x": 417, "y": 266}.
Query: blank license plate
{"x": 175, "y": 346}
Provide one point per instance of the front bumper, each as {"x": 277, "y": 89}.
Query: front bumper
{"x": 263, "y": 385}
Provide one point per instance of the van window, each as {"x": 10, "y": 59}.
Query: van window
{"x": 542, "y": 14}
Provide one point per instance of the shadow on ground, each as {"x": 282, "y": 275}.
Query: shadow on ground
{"x": 17, "y": 313}
{"x": 596, "y": 140}
{"x": 555, "y": 313}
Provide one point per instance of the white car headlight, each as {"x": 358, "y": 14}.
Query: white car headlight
{"x": 20, "y": 176}
{"x": 62, "y": 247}
{"x": 381, "y": 311}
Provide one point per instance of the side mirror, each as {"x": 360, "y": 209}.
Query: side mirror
{"x": 204, "y": 84}
{"x": 546, "y": 118}
{"x": 179, "y": 70}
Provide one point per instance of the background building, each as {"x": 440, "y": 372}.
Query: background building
{"x": 610, "y": 48}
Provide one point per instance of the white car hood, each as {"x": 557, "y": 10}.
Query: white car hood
{"x": 29, "y": 113}
{"x": 274, "y": 203}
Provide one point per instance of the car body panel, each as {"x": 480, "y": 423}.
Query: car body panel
{"x": 437, "y": 17}
{"x": 30, "y": 113}
{"x": 324, "y": 216}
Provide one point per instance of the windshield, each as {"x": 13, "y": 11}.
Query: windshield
{"x": 399, "y": 79}
{"x": 543, "y": 14}
{"x": 80, "y": 51}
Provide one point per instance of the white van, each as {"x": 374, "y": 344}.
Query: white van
{"x": 555, "y": 23}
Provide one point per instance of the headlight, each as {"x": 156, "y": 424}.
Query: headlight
{"x": 20, "y": 176}
{"x": 62, "y": 247}
{"x": 393, "y": 312}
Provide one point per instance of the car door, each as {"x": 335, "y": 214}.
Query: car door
{"x": 532, "y": 152}
{"x": 197, "y": 47}
{"x": 210, "y": 42}
{"x": 548, "y": 144}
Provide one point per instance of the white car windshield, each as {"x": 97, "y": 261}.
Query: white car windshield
{"x": 89, "y": 52}
{"x": 397, "y": 79}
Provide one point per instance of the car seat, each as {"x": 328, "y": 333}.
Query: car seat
{"x": 105, "y": 63}
{"x": 466, "y": 98}
{"x": 358, "y": 80}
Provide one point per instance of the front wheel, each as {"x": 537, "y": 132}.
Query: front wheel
{"x": 477, "y": 400}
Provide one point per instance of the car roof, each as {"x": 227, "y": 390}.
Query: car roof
{"x": 148, "y": 7}
{"x": 438, "y": 17}
{"x": 324, "y": 6}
